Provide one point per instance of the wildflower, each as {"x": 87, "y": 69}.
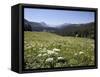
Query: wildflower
{"x": 81, "y": 52}
{"x": 50, "y": 52}
{"x": 92, "y": 45}
{"x": 56, "y": 53}
{"x": 41, "y": 45}
{"x": 44, "y": 50}
{"x": 92, "y": 58}
{"x": 75, "y": 54}
{"x": 40, "y": 48}
{"x": 59, "y": 58}
{"x": 49, "y": 60}
{"x": 25, "y": 42}
{"x": 55, "y": 49}
{"x": 39, "y": 55}
{"x": 44, "y": 54}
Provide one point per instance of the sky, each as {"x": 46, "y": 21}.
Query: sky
{"x": 58, "y": 17}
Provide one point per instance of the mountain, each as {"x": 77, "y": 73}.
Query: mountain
{"x": 32, "y": 26}
{"x": 81, "y": 30}
{"x": 44, "y": 24}
{"x": 36, "y": 26}
{"x": 27, "y": 26}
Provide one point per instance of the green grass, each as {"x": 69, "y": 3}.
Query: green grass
{"x": 48, "y": 50}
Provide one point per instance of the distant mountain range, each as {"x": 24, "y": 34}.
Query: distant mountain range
{"x": 81, "y": 30}
{"x": 36, "y": 26}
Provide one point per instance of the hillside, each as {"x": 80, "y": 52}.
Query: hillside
{"x": 48, "y": 50}
{"x": 81, "y": 30}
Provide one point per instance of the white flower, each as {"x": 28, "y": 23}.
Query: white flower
{"x": 55, "y": 49}
{"x": 40, "y": 48}
{"x": 49, "y": 60}
{"x": 44, "y": 54}
{"x": 59, "y": 58}
{"x": 25, "y": 42}
{"x": 41, "y": 45}
{"x": 39, "y": 55}
{"x": 50, "y": 52}
{"x": 81, "y": 52}
{"x": 44, "y": 50}
{"x": 75, "y": 54}
{"x": 92, "y": 45}
{"x": 56, "y": 53}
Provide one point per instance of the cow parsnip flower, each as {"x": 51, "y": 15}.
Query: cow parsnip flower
{"x": 81, "y": 52}
{"x": 49, "y": 60}
{"x": 50, "y": 52}
{"x": 39, "y": 55}
{"x": 60, "y": 58}
{"x": 55, "y": 49}
{"x": 75, "y": 54}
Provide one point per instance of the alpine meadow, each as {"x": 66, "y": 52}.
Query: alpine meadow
{"x": 54, "y": 38}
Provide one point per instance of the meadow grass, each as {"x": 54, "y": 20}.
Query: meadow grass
{"x": 48, "y": 50}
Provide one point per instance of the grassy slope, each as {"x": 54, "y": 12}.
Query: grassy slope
{"x": 75, "y": 51}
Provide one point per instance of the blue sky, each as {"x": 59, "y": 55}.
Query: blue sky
{"x": 58, "y": 17}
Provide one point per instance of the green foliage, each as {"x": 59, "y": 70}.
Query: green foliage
{"x": 48, "y": 50}
{"x": 78, "y": 30}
